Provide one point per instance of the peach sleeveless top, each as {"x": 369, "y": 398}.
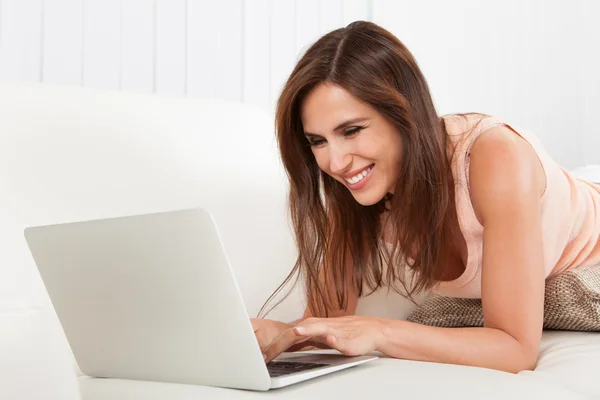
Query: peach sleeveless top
{"x": 570, "y": 209}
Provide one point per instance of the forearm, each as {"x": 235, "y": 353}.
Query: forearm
{"x": 480, "y": 347}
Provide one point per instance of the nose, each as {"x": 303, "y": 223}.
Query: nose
{"x": 339, "y": 159}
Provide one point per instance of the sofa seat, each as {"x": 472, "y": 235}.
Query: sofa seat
{"x": 567, "y": 366}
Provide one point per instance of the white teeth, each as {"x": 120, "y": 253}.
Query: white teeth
{"x": 359, "y": 177}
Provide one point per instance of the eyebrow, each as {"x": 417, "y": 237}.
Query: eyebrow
{"x": 342, "y": 125}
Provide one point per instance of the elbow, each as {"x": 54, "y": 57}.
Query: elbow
{"x": 521, "y": 354}
{"x": 527, "y": 364}
{"x": 526, "y": 361}
{"x": 529, "y": 355}
{"x": 529, "y": 360}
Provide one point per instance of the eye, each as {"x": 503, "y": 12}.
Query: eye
{"x": 353, "y": 131}
{"x": 315, "y": 142}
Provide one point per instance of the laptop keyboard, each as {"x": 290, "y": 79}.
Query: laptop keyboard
{"x": 279, "y": 368}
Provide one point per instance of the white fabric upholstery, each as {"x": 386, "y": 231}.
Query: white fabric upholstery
{"x": 380, "y": 379}
{"x": 68, "y": 154}
{"x": 569, "y": 359}
{"x": 33, "y": 362}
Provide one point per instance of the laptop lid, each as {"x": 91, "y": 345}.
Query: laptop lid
{"x": 150, "y": 297}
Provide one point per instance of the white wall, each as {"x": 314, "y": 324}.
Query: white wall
{"x": 534, "y": 63}
{"x": 234, "y": 49}
{"x": 531, "y": 62}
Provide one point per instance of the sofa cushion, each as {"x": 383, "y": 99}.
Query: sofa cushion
{"x": 571, "y": 302}
{"x": 380, "y": 379}
{"x": 92, "y": 154}
{"x": 69, "y": 154}
{"x": 33, "y": 364}
{"x": 569, "y": 359}
{"x": 565, "y": 370}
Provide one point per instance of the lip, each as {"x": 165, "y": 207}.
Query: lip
{"x": 360, "y": 184}
{"x": 355, "y": 172}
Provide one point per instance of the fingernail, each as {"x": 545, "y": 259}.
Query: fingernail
{"x": 300, "y": 330}
{"x": 265, "y": 357}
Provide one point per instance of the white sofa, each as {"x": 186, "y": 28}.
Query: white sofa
{"x": 69, "y": 154}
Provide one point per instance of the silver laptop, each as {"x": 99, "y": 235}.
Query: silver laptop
{"x": 153, "y": 297}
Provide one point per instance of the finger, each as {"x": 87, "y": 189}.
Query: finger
{"x": 284, "y": 341}
{"x": 315, "y": 329}
{"x": 349, "y": 346}
{"x": 330, "y": 336}
{"x": 278, "y": 345}
{"x": 255, "y": 323}
{"x": 262, "y": 338}
{"x": 260, "y": 335}
{"x": 339, "y": 344}
{"x": 333, "y": 342}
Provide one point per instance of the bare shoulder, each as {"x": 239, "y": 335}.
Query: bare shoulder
{"x": 503, "y": 166}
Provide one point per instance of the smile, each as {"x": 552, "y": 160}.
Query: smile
{"x": 359, "y": 180}
{"x": 360, "y": 176}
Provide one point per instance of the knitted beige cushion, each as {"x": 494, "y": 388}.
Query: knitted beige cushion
{"x": 572, "y": 302}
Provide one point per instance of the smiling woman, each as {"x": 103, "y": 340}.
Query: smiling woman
{"x": 379, "y": 181}
{"x": 349, "y": 105}
{"x": 363, "y": 152}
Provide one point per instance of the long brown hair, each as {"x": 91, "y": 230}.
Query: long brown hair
{"x": 329, "y": 225}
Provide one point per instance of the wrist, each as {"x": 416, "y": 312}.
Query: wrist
{"x": 388, "y": 330}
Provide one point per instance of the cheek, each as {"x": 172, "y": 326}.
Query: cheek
{"x": 398, "y": 152}
{"x": 371, "y": 147}
{"x": 395, "y": 162}
{"x": 390, "y": 150}
{"x": 321, "y": 159}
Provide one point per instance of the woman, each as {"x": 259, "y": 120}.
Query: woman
{"x": 378, "y": 181}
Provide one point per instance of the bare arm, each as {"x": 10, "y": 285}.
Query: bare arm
{"x": 506, "y": 188}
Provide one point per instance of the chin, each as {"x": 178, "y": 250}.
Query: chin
{"x": 368, "y": 199}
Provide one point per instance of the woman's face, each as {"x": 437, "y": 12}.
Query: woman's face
{"x": 352, "y": 142}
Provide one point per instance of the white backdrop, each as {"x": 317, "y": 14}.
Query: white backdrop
{"x": 531, "y": 62}
{"x": 234, "y": 49}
